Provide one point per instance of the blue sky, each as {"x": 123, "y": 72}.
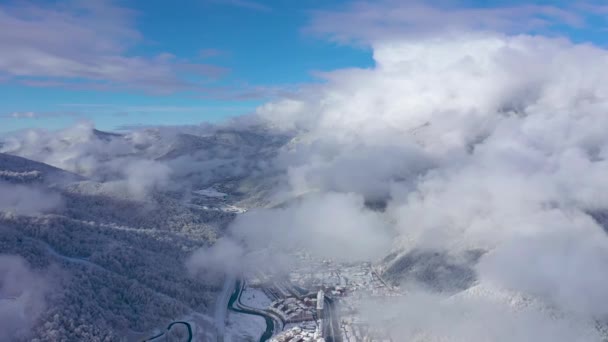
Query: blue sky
{"x": 260, "y": 46}
{"x": 153, "y": 62}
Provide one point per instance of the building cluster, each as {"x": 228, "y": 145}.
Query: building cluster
{"x": 297, "y": 334}
{"x": 293, "y": 309}
{"x": 341, "y": 278}
{"x": 302, "y": 299}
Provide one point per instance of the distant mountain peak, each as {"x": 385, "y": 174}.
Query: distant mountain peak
{"x": 106, "y": 136}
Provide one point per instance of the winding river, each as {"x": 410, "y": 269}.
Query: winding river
{"x": 169, "y": 328}
{"x": 236, "y": 298}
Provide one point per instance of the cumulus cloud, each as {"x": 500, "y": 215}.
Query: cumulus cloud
{"x": 22, "y": 297}
{"x": 358, "y": 167}
{"x": 225, "y": 256}
{"x": 564, "y": 265}
{"x": 77, "y": 148}
{"x": 330, "y": 225}
{"x": 424, "y": 317}
{"x": 142, "y": 161}
{"x": 477, "y": 141}
{"x": 125, "y": 162}
{"x": 144, "y": 176}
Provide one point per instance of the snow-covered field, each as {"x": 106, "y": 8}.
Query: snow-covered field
{"x": 255, "y": 298}
{"x": 210, "y": 192}
{"x": 242, "y": 327}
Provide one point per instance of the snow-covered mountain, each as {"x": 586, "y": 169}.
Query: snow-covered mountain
{"x": 15, "y": 169}
{"x": 432, "y": 269}
{"x": 480, "y": 159}
{"x": 111, "y": 259}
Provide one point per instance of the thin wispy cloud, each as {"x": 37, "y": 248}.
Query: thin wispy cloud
{"x": 252, "y": 5}
{"x": 18, "y": 115}
{"x": 28, "y": 115}
{"x": 83, "y": 45}
{"x": 372, "y": 21}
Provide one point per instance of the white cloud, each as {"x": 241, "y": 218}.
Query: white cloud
{"x": 368, "y": 22}
{"x": 125, "y": 162}
{"x": 562, "y": 264}
{"x": 144, "y": 176}
{"x": 22, "y": 300}
{"x": 479, "y": 141}
{"x": 26, "y": 200}
{"x": 224, "y": 256}
{"x": 18, "y": 115}
{"x": 424, "y": 317}
{"x": 329, "y": 225}
{"x": 94, "y": 55}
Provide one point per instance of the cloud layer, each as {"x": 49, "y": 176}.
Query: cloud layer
{"x": 22, "y": 297}
{"x": 24, "y": 200}
{"x": 330, "y": 225}
{"x": 476, "y": 141}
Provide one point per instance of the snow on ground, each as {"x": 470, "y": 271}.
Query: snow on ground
{"x": 243, "y": 327}
{"x": 255, "y": 298}
{"x": 203, "y": 326}
{"x": 210, "y": 192}
{"x": 232, "y": 209}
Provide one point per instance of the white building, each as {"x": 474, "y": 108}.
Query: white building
{"x": 320, "y": 303}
